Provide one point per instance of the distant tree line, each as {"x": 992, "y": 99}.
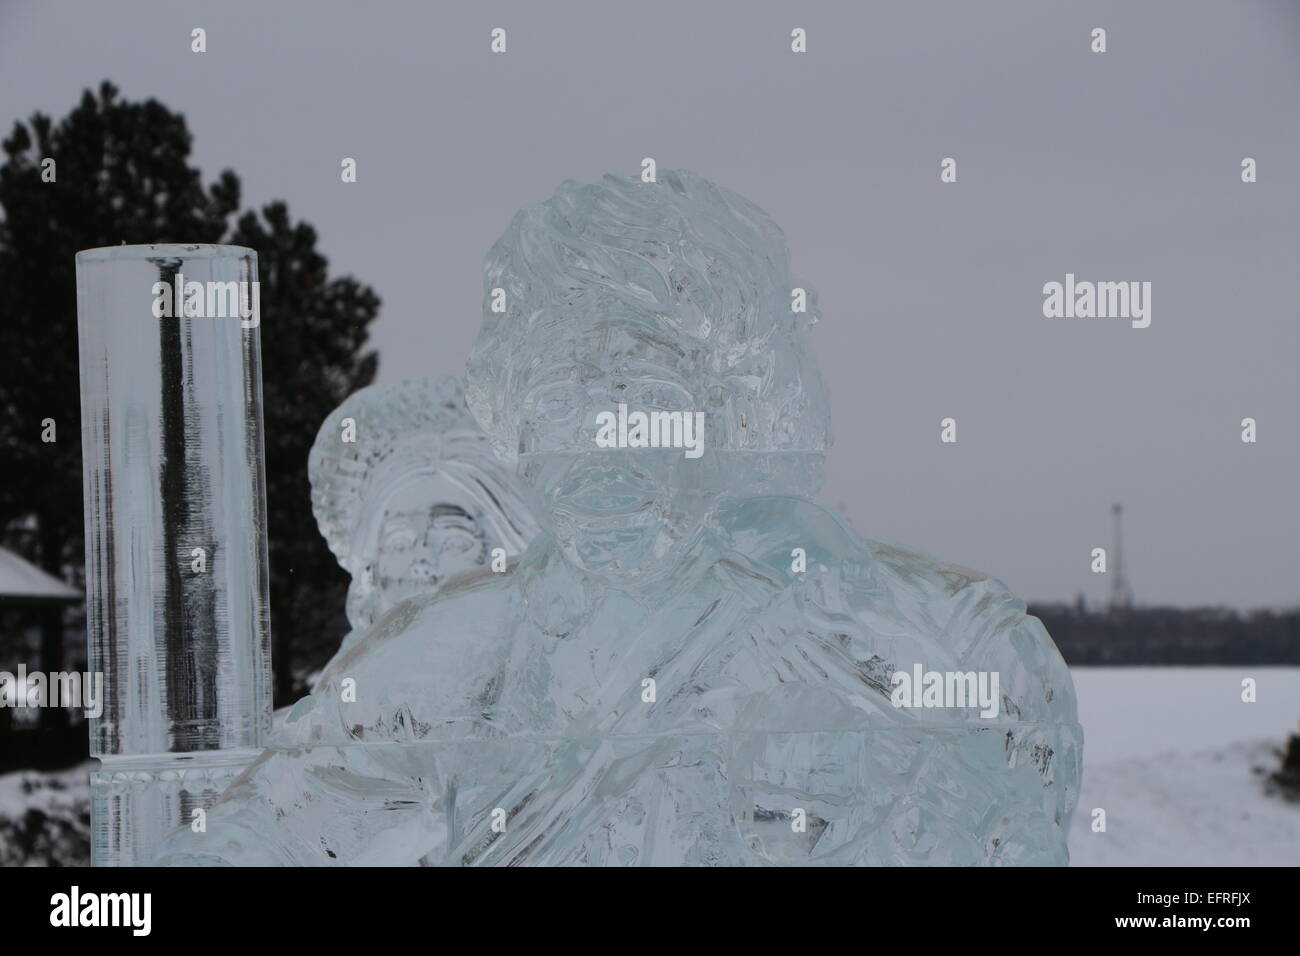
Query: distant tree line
{"x": 1198, "y": 636}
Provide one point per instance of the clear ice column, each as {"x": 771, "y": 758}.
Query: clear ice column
{"x": 177, "y": 612}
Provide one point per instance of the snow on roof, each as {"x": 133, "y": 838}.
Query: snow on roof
{"x": 24, "y": 581}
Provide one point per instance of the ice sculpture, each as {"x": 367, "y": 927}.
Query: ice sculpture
{"x": 408, "y": 493}
{"x": 693, "y": 662}
{"x": 176, "y": 575}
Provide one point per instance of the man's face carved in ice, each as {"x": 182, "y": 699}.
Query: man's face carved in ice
{"x": 624, "y": 514}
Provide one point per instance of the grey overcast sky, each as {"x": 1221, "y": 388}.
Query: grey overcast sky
{"x": 1116, "y": 166}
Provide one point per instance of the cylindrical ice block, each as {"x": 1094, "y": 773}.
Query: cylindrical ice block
{"x": 176, "y": 557}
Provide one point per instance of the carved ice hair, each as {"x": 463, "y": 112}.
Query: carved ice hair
{"x": 695, "y": 269}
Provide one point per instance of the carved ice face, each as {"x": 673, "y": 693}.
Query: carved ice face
{"x": 624, "y": 513}
{"x": 628, "y": 515}
{"x": 606, "y": 365}
{"x": 419, "y": 545}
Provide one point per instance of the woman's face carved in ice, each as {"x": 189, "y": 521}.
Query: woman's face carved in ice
{"x": 419, "y": 546}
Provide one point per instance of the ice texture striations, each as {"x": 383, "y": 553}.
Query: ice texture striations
{"x": 176, "y": 554}
{"x": 693, "y": 662}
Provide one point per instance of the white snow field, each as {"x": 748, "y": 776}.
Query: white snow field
{"x": 1178, "y": 762}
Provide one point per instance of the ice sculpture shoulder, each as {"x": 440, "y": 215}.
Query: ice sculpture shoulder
{"x": 693, "y": 663}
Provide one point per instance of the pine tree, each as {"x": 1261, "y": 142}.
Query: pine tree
{"x": 313, "y": 330}
{"x": 121, "y": 174}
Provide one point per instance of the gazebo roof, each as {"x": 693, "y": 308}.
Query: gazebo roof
{"x": 22, "y": 582}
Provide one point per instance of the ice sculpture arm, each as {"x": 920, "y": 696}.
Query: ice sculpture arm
{"x": 834, "y": 637}
{"x": 366, "y": 768}
{"x": 319, "y": 806}
{"x": 914, "y": 765}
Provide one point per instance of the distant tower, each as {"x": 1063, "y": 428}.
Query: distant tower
{"x": 1121, "y": 595}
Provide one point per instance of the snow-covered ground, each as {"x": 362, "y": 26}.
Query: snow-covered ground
{"x": 1203, "y": 809}
{"x": 1140, "y": 711}
{"x": 1173, "y": 755}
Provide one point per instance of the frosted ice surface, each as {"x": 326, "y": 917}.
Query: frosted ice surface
{"x": 693, "y": 662}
